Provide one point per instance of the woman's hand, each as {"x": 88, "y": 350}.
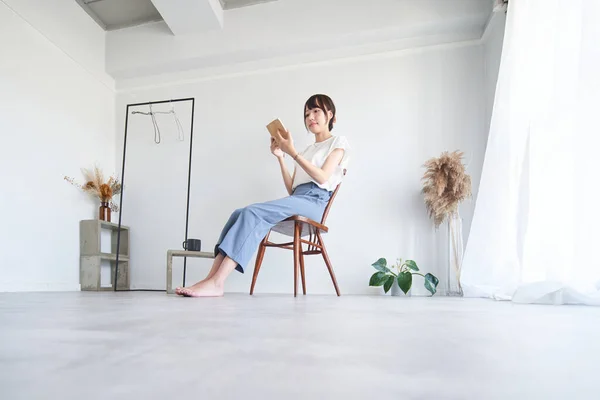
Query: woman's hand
{"x": 286, "y": 145}
{"x": 275, "y": 150}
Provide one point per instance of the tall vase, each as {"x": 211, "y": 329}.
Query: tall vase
{"x": 455, "y": 255}
{"x": 104, "y": 211}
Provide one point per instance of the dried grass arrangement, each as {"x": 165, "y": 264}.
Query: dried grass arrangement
{"x": 445, "y": 185}
{"x": 95, "y": 185}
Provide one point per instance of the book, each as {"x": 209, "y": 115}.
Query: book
{"x": 277, "y": 125}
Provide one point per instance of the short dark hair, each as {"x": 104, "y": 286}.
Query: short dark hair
{"x": 323, "y": 102}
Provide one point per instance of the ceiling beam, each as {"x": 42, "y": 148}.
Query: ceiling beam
{"x": 190, "y": 16}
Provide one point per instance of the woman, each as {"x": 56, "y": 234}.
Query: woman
{"x": 320, "y": 168}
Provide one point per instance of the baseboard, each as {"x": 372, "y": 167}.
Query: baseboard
{"x": 150, "y": 286}
{"x": 39, "y": 287}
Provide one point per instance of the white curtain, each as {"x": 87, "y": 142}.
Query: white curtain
{"x": 535, "y": 231}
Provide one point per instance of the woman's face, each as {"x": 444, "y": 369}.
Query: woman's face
{"x": 316, "y": 120}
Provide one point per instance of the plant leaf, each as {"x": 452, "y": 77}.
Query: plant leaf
{"x": 378, "y": 279}
{"x": 381, "y": 265}
{"x": 405, "y": 281}
{"x": 412, "y": 265}
{"x": 431, "y": 283}
{"x": 388, "y": 284}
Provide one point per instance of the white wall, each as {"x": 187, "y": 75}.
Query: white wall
{"x": 66, "y": 25}
{"x": 56, "y": 115}
{"x": 397, "y": 110}
{"x": 493, "y": 38}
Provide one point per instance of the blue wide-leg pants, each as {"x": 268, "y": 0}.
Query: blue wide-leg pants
{"x": 247, "y": 226}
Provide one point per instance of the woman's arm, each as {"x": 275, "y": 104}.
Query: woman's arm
{"x": 320, "y": 175}
{"x": 287, "y": 179}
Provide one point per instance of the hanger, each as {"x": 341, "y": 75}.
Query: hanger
{"x": 178, "y": 123}
{"x": 152, "y": 113}
{"x": 154, "y": 123}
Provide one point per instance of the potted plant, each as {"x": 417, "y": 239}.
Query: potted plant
{"x": 402, "y": 274}
{"x": 96, "y": 186}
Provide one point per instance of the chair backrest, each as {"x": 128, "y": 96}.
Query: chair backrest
{"x": 330, "y": 202}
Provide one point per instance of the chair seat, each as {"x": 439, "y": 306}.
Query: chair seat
{"x": 309, "y": 226}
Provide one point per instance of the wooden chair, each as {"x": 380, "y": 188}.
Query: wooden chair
{"x": 298, "y": 227}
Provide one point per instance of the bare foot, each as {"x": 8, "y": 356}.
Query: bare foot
{"x": 208, "y": 288}
{"x": 179, "y": 290}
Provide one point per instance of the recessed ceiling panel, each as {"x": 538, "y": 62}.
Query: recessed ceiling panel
{"x": 229, "y": 4}
{"x": 117, "y": 14}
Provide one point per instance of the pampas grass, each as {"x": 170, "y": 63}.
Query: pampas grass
{"x": 445, "y": 185}
{"x": 96, "y": 186}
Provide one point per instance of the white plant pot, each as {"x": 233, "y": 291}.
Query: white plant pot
{"x": 396, "y": 291}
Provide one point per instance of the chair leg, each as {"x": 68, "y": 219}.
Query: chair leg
{"x": 259, "y": 260}
{"x": 297, "y": 249}
{"x": 302, "y": 270}
{"x": 328, "y": 263}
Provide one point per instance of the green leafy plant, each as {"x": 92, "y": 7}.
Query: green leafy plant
{"x": 401, "y": 272}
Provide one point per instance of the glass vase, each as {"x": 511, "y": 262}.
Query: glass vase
{"x": 104, "y": 211}
{"x": 455, "y": 255}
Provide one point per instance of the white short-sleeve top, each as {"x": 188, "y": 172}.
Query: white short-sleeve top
{"x": 317, "y": 153}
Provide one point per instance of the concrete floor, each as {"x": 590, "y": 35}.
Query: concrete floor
{"x": 141, "y": 345}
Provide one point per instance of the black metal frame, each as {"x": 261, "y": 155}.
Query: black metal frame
{"x": 187, "y": 211}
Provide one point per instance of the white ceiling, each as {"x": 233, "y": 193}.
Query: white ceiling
{"x": 119, "y": 14}
{"x": 194, "y": 38}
